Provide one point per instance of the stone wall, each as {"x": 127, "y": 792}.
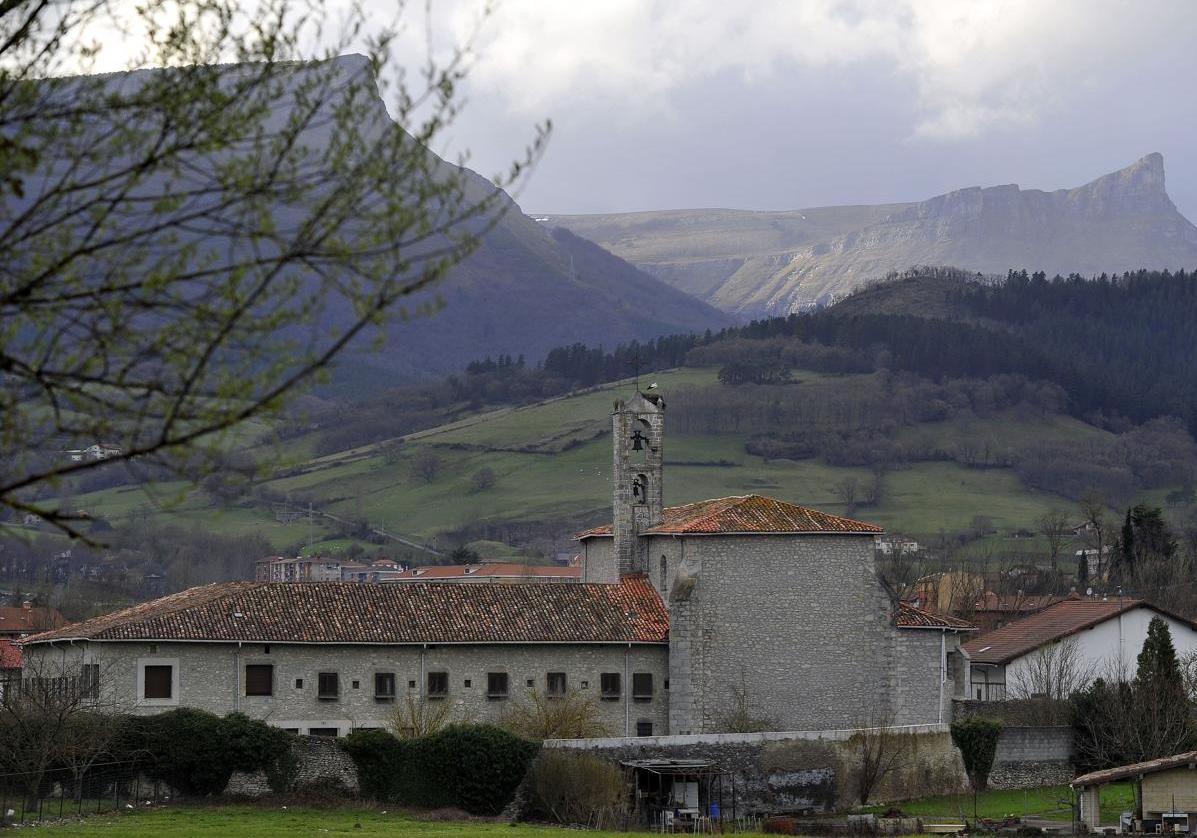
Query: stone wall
{"x": 804, "y": 770}
{"x": 211, "y": 676}
{"x": 1032, "y": 756}
{"x": 798, "y": 627}
{"x": 318, "y": 764}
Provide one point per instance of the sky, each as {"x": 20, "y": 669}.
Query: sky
{"x": 784, "y": 105}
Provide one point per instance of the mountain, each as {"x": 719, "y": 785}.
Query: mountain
{"x": 776, "y": 263}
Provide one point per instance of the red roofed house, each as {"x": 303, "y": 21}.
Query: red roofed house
{"x": 28, "y": 619}
{"x": 680, "y": 617}
{"x": 1066, "y": 645}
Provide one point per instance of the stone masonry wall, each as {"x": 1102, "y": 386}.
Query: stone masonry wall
{"x": 320, "y": 765}
{"x": 800, "y": 629}
{"x": 1032, "y": 756}
{"x": 211, "y": 676}
{"x": 800, "y": 771}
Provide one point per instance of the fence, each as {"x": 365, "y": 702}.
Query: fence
{"x": 62, "y": 792}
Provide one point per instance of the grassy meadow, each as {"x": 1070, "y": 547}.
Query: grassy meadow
{"x": 552, "y": 461}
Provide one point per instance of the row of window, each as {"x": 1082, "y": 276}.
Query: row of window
{"x": 158, "y": 683}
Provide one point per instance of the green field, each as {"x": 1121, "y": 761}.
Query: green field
{"x": 277, "y": 822}
{"x": 1047, "y": 802}
{"x": 552, "y": 462}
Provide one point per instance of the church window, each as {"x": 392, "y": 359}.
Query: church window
{"x": 556, "y": 684}
{"x": 664, "y": 571}
{"x": 642, "y": 686}
{"x": 644, "y": 728}
{"x": 609, "y": 687}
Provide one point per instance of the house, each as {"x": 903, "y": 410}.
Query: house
{"x": 490, "y": 572}
{"x": 992, "y": 611}
{"x": 889, "y": 544}
{"x": 1073, "y": 640}
{"x": 947, "y": 592}
{"x": 28, "y": 619}
{"x": 1165, "y": 793}
{"x": 681, "y": 619}
{"x": 297, "y": 569}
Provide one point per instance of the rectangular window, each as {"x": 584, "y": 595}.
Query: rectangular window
{"x": 438, "y": 684}
{"x": 328, "y": 687}
{"x": 384, "y": 686}
{"x": 644, "y": 728}
{"x": 330, "y": 732}
{"x": 555, "y": 685}
{"x": 496, "y": 685}
{"x": 158, "y": 681}
{"x": 259, "y": 679}
{"x": 609, "y": 686}
{"x": 642, "y": 686}
{"x": 89, "y": 681}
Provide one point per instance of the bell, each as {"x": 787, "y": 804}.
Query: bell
{"x": 637, "y": 441}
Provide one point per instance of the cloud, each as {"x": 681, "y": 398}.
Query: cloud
{"x": 975, "y": 65}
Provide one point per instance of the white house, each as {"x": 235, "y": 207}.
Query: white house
{"x": 1063, "y": 647}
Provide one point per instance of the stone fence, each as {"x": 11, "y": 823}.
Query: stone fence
{"x": 1032, "y": 756}
{"x": 805, "y": 771}
{"x": 317, "y": 763}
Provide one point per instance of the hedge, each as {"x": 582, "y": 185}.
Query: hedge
{"x": 473, "y": 767}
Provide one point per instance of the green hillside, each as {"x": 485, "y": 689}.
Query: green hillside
{"x": 551, "y": 464}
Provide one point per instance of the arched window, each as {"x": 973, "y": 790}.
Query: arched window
{"x": 664, "y": 571}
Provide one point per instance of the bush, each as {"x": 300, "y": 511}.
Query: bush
{"x": 197, "y": 752}
{"x": 575, "y": 787}
{"x": 473, "y": 767}
{"x": 977, "y": 739}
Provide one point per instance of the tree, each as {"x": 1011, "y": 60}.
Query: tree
{"x": 426, "y": 466}
{"x": 1158, "y": 667}
{"x": 185, "y": 248}
{"x": 540, "y": 716}
{"x": 878, "y": 751}
{"x": 1093, "y": 513}
{"x": 483, "y": 479}
{"x": 1053, "y": 526}
{"x": 1049, "y": 677}
{"x": 977, "y": 738}
{"x": 846, "y": 491}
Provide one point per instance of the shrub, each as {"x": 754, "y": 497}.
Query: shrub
{"x": 575, "y": 787}
{"x": 977, "y": 739}
{"x": 196, "y": 751}
{"x": 474, "y": 767}
{"x": 540, "y": 716}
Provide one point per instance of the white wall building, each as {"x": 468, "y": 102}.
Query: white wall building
{"x": 1072, "y": 641}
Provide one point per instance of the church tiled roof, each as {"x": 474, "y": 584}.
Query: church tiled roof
{"x": 411, "y": 612}
{"x": 908, "y": 616}
{"x": 746, "y": 514}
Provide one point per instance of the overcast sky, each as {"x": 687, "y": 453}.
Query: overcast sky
{"x": 780, "y": 105}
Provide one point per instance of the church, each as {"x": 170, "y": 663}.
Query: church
{"x": 701, "y": 618}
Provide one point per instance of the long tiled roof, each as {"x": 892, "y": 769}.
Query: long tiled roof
{"x": 746, "y": 514}
{"x": 1053, "y": 623}
{"x": 10, "y": 655}
{"x": 414, "y": 612}
{"x": 908, "y": 616}
{"x": 487, "y": 570}
{"x": 27, "y": 620}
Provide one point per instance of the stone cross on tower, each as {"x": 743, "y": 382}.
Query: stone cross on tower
{"x": 637, "y": 431}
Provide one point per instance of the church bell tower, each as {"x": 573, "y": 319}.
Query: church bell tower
{"x": 637, "y": 432}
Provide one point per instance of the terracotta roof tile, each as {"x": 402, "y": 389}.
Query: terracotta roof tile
{"x": 1057, "y": 621}
{"x": 908, "y": 616}
{"x": 414, "y": 612}
{"x": 746, "y": 514}
{"x": 26, "y": 620}
{"x": 10, "y": 655}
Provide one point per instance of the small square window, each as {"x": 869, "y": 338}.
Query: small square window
{"x": 496, "y": 685}
{"x": 299, "y": 683}
{"x": 667, "y": 683}
{"x": 411, "y": 685}
{"x": 609, "y": 686}
{"x": 357, "y": 685}
{"x": 585, "y": 685}
{"x": 438, "y": 684}
{"x": 644, "y": 728}
{"x": 467, "y": 683}
{"x": 530, "y": 683}
{"x": 328, "y": 686}
{"x": 153, "y": 648}
{"x": 265, "y": 650}
{"x": 555, "y": 684}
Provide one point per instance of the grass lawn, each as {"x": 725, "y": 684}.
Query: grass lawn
{"x": 274, "y": 822}
{"x": 1049, "y": 802}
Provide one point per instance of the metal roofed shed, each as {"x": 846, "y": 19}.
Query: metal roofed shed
{"x": 680, "y": 795}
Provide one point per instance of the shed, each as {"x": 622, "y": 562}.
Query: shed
{"x": 672, "y": 793}
{"x": 1165, "y": 793}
